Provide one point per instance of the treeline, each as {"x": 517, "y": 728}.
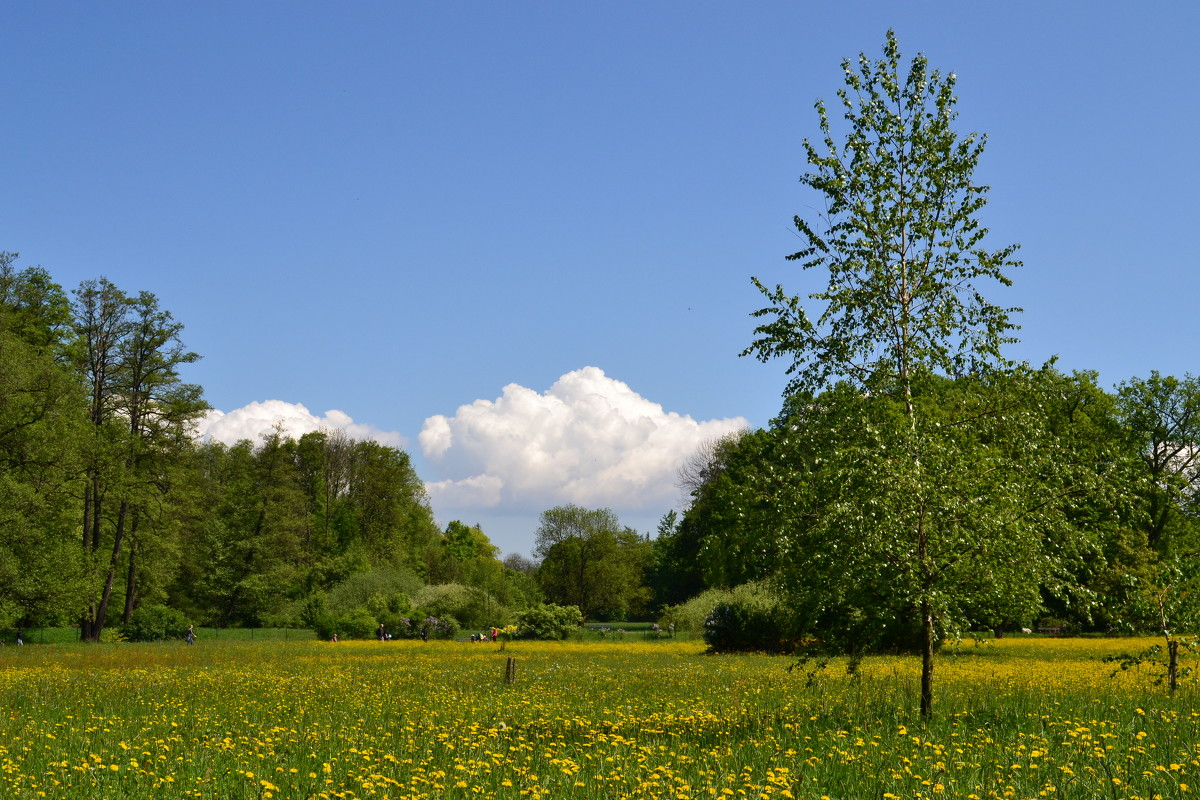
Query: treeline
{"x": 115, "y": 518}
{"x": 1042, "y": 498}
{"x": 110, "y": 505}
{"x": 1056, "y": 503}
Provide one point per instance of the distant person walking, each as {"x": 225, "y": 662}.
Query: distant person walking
{"x": 191, "y": 634}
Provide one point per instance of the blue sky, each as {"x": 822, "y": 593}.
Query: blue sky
{"x": 549, "y": 213}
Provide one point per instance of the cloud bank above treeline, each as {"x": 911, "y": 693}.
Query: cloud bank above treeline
{"x": 258, "y": 419}
{"x": 589, "y": 439}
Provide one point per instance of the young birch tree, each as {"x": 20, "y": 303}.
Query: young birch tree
{"x": 903, "y": 249}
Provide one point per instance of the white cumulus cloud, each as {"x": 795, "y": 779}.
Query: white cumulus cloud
{"x": 588, "y": 439}
{"x": 258, "y": 419}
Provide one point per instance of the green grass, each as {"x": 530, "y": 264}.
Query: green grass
{"x": 255, "y": 634}
{"x": 1017, "y": 718}
{"x": 39, "y": 635}
{"x": 71, "y": 635}
{"x": 629, "y": 632}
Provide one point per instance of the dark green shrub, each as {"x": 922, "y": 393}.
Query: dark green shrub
{"x": 748, "y": 625}
{"x": 325, "y": 626}
{"x": 315, "y": 609}
{"x": 358, "y": 623}
{"x": 155, "y": 624}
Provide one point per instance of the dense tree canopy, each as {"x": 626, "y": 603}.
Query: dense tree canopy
{"x": 41, "y": 430}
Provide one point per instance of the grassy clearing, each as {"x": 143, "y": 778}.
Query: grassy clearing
{"x": 1020, "y": 718}
{"x": 71, "y": 635}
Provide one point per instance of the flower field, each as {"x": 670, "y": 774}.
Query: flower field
{"x": 1021, "y": 718}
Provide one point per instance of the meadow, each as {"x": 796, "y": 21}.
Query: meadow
{"x": 1014, "y": 718}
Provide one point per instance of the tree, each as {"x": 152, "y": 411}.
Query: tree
{"x": 590, "y": 561}
{"x": 128, "y": 351}
{"x": 725, "y": 537}
{"x": 674, "y": 574}
{"x": 100, "y": 325}
{"x": 38, "y": 310}
{"x": 902, "y": 243}
{"x": 324, "y": 465}
{"x": 285, "y": 519}
{"x": 468, "y": 557}
{"x": 520, "y": 578}
{"x": 904, "y": 254}
{"x": 259, "y": 560}
{"x": 1162, "y": 417}
{"x": 1105, "y": 549}
{"x": 40, "y": 435}
{"x": 392, "y": 516}
{"x": 463, "y": 545}
{"x": 159, "y": 410}
{"x": 732, "y": 525}
{"x": 1161, "y": 420}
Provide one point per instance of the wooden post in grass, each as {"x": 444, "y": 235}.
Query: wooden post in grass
{"x": 1173, "y": 665}
{"x": 510, "y": 670}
